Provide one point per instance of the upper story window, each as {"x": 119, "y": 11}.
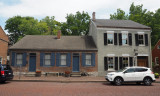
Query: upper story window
{"x": 63, "y": 61}
{"x": 124, "y": 38}
{"x": 88, "y": 59}
{"x": 158, "y": 47}
{"x": 110, "y": 38}
{"x": 19, "y": 59}
{"x": 141, "y": 39}
{"x": 47, "y": 59}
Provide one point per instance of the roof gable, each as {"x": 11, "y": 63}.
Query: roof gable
{"x": 3, "y": 35}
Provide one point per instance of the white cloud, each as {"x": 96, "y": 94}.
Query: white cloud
{"x": 59, "y": 8}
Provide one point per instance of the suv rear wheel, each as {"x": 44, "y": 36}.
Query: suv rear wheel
{"x": 147, "y": 81}
{"x": 118, "y": 81}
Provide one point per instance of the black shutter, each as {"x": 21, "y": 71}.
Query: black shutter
{"x": 105, "y": 63}
{"x": 24, "y": 59}
{"x": 13, "y": 56}
{"x": 105, "y": 38}
{"x": 136, "y": 39}
{"x": 131, "y": 61}
{"x": 146, "y": 39}
{"x": 41, "y": 59}
{"x": 116, "y": 63}
{"x": 130, "y": 38}
{"x": 120, "y": 63}
{"x": 115, "y": 38}
{"x": 120, "y": 38}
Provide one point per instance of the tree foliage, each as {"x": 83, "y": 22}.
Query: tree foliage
{"x": 142, "y": 16}
{"x": 77, "y": 24}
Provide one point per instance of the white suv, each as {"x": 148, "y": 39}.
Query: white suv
{"x": 131, "y": 74}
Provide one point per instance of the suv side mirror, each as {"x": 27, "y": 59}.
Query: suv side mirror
{"x": 125, "y": 72}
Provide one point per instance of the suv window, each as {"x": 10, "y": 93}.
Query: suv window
{"x": 130, "y": 70}
{"x": 6, "y": 67}
{"x": 141, "y": 69}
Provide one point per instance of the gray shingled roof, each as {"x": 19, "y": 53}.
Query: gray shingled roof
{"x": 119, "y": 24}
{"x": 46, "y": 42}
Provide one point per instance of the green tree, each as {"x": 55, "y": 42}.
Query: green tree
{"x": 53, "y": 25}
{"x": 120, "y": 15}
{"x": 77, "y": 24}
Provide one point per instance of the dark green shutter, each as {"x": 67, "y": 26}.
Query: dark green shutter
{"x": 131, "y": 61}
{"x": 146, "y": 39}
{"x": 93, "y": 59}
{"x": 24, "y": 59}
{"x": 120, "y": 63}
{"x": 68, "y": 59}
{"x": 136, "y": 39}
{"x": 115, "y": 38}
{"x": 57, "y": 59}
{"x": 13, "y": 59}
{"x": 120, "y": 38}
{"x": 116, "y": 63}
{"x": 105, "y": 64}
{"x": 41, "y": 59}
{"x": 83, "y": 59}
{"x": 130, "y": 38}
{"x": 105, "y": 38}
{"x": 52, "y": 59}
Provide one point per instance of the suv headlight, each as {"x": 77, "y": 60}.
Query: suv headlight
{"x": 110, "y": 74}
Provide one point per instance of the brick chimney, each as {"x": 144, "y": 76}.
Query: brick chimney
{"x": 93, "y": 16}
{"x": 59, "y": 34}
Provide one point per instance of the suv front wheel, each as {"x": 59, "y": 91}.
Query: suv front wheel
{"x": 118, "y": 81}
{"x": 147, "y": 81}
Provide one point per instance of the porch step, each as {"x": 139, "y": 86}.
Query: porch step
{"x": 30, "y": 74}
{"x": 76, "y": 74}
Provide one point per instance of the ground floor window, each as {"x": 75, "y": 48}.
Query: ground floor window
{"x": 0, "y": 60}
{"x": 88, "y": 59}
{"x": 156, "y": 60}
{"x": 19, "y": 58}
{"x": 47, "y": 59}
{"x": 125, "y": 61}
{"x": 110, "y": 63}
{"x": 63, "y": 60}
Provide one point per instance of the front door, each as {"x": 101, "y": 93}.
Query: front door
{"x": 75, "y": 67}
{"x": 32, "y": 62}
{"x": 142, "y": 61}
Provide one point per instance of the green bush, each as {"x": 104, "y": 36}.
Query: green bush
{"x": 156, "y": 75}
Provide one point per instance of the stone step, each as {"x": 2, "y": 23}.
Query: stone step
{"x": 30, "y": 74}
{"x": 76, "y": 74}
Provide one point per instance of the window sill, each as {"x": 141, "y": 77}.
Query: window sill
{"x": 142, "y": 45}
{"x": 110, "y": 70}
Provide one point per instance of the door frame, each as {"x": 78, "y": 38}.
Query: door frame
{"x": 78, "y": 61}
{"x": 29, "y": 61}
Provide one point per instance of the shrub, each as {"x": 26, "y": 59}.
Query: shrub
{"x": 156, "y": 75}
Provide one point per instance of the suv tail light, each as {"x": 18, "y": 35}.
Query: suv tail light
{"x": 152, "y": 72}
{"x": 2, "y": 72}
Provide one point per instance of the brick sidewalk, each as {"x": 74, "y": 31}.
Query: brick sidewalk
{"x": 64, "y": 79}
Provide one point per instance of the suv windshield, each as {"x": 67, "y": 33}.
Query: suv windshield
{"x": 6, "y": 67}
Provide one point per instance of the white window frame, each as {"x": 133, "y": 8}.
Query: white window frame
{"x": 125, "y": 38}
{"x": 123, "y": 63}
{"x": 48, "y": 59}
{"x": 110, "y": 38}
{"x": 88, "y": 60}
{"x": 143, "y": 40}
{"x": 19, "y": 59}
{"x": 156, "y": 60}
{"x": 65, "y": 60}
{"x": 113, "y": 63}
{"x": 1, "y": 60}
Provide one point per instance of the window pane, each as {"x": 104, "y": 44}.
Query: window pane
{"x": 63, "y": 59}
{"x": 19, "y": 59}
{"x": 110, "y": 62}
{"x": 88, "y": 59}
{"x": 125, "y": 61}
{"x": 110, "y": 36}
{"x": 47, "y": 56}
{"x": 110, "y": 41}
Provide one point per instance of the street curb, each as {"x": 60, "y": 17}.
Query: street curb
{"x": 59, "y": 81}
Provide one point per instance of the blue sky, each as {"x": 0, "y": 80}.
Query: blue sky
{"x": 59, "y": 8}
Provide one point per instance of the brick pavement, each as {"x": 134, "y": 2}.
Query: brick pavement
{"x": 64, "y": 79}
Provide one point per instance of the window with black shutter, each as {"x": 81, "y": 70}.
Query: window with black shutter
{"x": 120, "y": 63}
{"x": 116, "y": 63}
{"x": 105, "y": 63}
{"x": 105, "y": 38}
{"x": 120, "y": 38}
{"x": 136, "y": 39}
{"x": 115, "y": 38}
{"x": 146, "y": 39}
{"x": 131, "y": 61}
{"x": 130, "y": 38}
